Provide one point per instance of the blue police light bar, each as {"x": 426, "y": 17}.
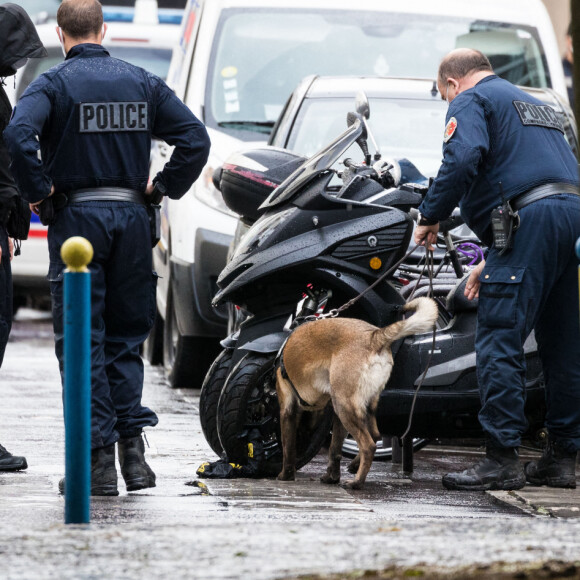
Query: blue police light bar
{"x": 121, "y": 14}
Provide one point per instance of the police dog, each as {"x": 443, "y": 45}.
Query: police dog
{"x": 347, "y": 361}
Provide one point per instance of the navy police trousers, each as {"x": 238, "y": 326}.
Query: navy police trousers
{"x": 534, "y": 286}
{"x": 122, "y": 309}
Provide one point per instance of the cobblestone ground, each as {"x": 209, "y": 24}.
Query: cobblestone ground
{"x": 256, "y": 529}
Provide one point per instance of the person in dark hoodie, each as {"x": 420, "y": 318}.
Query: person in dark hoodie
{"x": 18, "y": 42}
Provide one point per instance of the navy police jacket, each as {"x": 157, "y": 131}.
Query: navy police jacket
{"x": 496, "y": 133}
{"x": 92, "y": 118}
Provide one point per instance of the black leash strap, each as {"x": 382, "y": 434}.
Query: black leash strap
{"x": 430, "y": 267}
{"x": 336, "y": 311}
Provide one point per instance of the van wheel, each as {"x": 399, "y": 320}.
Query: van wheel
{"x": 153, "y": 345}
{"x": 209, "y": 398}
{"x": 248, "y": 407}
{"x": 186, "y": 358}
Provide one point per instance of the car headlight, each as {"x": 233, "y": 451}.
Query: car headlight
{"x": 261, "y": 231}
{"x": 206, "y": 192}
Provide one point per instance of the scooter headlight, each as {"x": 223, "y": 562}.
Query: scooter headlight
{"x": 261, "y": 231}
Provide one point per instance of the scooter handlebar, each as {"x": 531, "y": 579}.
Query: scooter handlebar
{"x": 444, "y": 226}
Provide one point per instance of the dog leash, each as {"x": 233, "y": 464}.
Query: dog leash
{"x": 336, "y": 311}
{"x": 420, "y": 383}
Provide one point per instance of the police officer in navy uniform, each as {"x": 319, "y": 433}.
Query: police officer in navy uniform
{"x": 80, "y": 141}
{"x": 18, "y": 42}
{"x": 501, "y": 144}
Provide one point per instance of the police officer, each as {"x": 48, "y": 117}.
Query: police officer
{"x": 18, "y": 42}
{"x": 501, "y": 144}
{"x": 80, "y": 140}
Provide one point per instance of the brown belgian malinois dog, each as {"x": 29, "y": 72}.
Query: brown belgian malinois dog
{"x": 347, "y": 361}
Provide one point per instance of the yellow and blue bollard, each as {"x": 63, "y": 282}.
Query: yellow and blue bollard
{"x": 77, "y": 253}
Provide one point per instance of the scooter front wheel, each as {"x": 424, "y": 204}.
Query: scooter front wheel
{"x": 248, "y": 411}
{"x": 209, "y": 397}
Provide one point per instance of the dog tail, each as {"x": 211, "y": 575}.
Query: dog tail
{"x": 423, "y": 319}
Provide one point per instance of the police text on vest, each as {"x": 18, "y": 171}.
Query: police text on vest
{"x": 113, "y": 117}
{"x": 538, "y": 115}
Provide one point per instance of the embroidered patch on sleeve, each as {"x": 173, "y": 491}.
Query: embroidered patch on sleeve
{"x": 450, "y": 129}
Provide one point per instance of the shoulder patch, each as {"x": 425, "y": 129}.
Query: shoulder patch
{"x": 538, "y": 115}
{"x": 449, "y": 129}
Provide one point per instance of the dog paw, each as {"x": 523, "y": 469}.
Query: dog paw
{"x": 329, "y": 479}
{"x": 286, "y": 476}
{"x": 353, "y": 484}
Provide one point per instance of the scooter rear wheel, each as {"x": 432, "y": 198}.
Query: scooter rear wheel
{"x": 248, "y": 408}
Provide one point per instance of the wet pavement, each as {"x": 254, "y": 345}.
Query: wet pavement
{"x": 191, "y": 528}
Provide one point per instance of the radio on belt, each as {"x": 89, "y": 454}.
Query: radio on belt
{"x": 504, "y": 222}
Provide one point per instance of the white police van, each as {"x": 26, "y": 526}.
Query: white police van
{"x": 236, "y": 64}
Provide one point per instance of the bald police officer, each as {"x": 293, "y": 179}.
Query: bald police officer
{"x": 500, "y": 144}
{"x": 80, "y": 140}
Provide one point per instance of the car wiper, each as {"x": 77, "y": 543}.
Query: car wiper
{"x": 256, "y": 126}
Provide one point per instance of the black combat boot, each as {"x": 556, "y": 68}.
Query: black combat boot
{"x": 103, "y": 472}
{"x": 556, "y": 467}
{"x": 9, "y": 462}
{"x": 499, "y": 469}
{"x": 136, "y": 473}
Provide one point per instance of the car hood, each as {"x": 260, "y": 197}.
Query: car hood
{"x": 18, "y": 39}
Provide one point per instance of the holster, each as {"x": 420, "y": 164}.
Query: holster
{"x": 154, "y": 213}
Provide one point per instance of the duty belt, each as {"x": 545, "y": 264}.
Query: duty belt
{"x": 541, "y": 192}
{"x": 105, "y": 194}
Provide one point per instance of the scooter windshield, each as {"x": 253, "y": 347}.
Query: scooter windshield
{"x": 317, "y": 164}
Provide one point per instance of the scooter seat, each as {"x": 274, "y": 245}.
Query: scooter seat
{"x": 456, "y": 300}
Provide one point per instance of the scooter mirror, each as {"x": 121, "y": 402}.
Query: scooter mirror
{"x": 362, "y": 105}
{"x": 352, "y": 118}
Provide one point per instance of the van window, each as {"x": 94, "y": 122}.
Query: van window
{"x": 260, "y": 55}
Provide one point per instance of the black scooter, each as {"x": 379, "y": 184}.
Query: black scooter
{"x": 319, "y": 239}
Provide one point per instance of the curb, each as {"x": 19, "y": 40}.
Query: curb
{"x": 543, "y": 501}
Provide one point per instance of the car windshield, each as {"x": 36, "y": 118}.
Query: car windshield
{"x": 410, "y": 128}
{"x": 155, "y": 60}
{"x": 260, "y": 55}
